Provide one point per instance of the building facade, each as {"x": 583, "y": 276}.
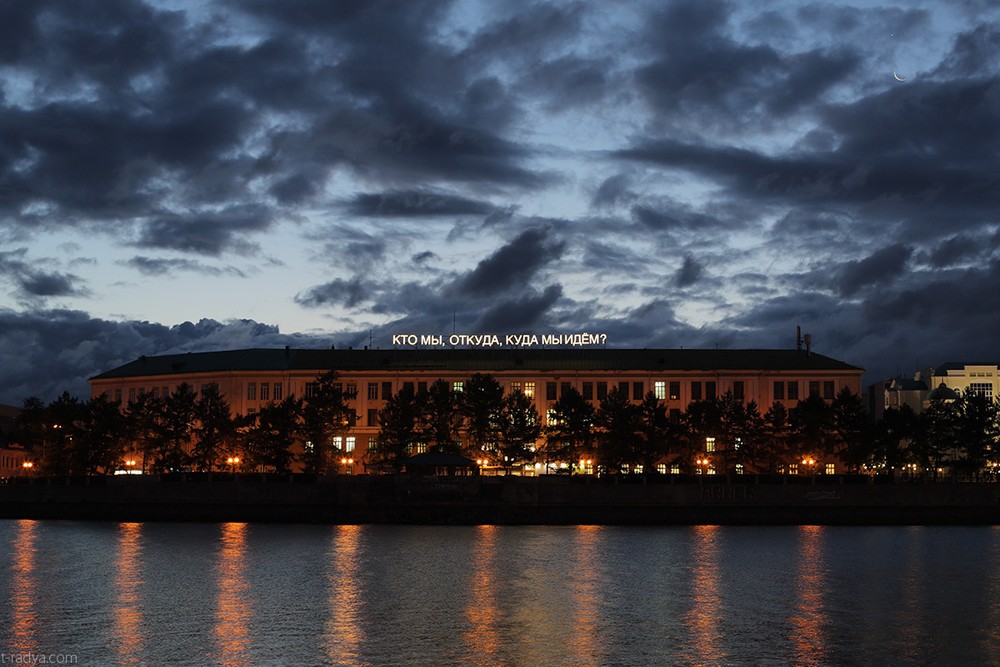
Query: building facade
{"x": 251, "y": 379}
{"x": 948, "y": 379}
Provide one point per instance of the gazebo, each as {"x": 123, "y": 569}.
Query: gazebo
{"x": 441, "y": 464}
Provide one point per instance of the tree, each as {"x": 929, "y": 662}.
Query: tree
{"x": 398, "y": 429}
{"x": 570, "y": 430}
{"x": 62, "y": 419}
{"x": 888, "y": 442}
{"x": 143, "y": 425}
{"x": 851, "y": 436}
{"x": 273, "y": 433}
{"x": 215, "y": 430}
{"x": 937, "y": 435}
{"x": 654, "y": 433}
{"x": 440, "y": 418}
{"x": 618, "y": 440}
{"x": 978, "y": 426}
{"x": 31, "y": 426}
{"x": 325, "y": 414}
{"x": 481, "y": 407}
{"x": 743, "y": 434}
{"x": 812, "y": 429}
{"x": 701, "y": 431}
{"x": 100, "y": 438}
{"x": 176, "y": 426}
{"x": 519, "y": 429}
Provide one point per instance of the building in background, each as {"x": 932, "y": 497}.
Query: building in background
{"x": 251, "y": 379}
{"x": 947, "y": 381}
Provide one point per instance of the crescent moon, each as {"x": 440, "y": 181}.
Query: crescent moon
{"x": 897, "y": 77}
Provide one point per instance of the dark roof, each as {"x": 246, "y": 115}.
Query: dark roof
{"x": 473, "y": 360}
{"x": 960, "y": 365}
{"x": 943, "y": 393}
{"x": 906, "y": 384}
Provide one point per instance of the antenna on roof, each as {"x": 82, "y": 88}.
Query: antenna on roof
{"x": 798, "y": 337}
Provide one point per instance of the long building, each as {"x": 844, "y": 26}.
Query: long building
{"x": 253, "y": 378}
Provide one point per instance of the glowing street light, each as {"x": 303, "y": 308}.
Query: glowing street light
{"x": 233, "y": 461}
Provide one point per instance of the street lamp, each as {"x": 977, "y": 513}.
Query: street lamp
{"x": 27, "y": 466}
{"x": 233, "y": 461}
{"x": 702, "y": 464}
{"x": 809, "y": 463}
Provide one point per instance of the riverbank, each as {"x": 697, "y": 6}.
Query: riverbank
{"x": 553, "y": 500}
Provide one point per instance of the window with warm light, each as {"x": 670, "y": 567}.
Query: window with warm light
{"x": 529, "y": 389}
{"x": 660, "y": 390}
{"x": 739, "y": 468}
{"x": 349, "y": 442}
{"x": 458, "y": 386}
{"x": 675, "y": 469}
{"x": 831, "y": 469}
{"x": 515, "y": 386}
{"x": 661, "y": 468}
{"x": 793, "y": 468}
{"x": 709, "y": 444}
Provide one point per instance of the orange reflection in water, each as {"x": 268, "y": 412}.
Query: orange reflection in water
{"x": 127, "y": 614}
{"x": 343, "y": 631}
{"x": 233, "y": 609}
{"x": 706, "y": 604}
{"x": 586, "y": 597}
{"x": 482, "y": 612}
{"x": 24, "y": 617}
{"x": 809, "y": 618}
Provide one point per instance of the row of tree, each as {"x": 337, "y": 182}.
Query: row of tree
{"x": 188, "y": 431}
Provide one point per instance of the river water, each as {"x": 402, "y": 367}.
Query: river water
{"x": 255, "y": 594}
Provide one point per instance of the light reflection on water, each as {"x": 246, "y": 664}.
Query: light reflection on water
{"x": 238, "y": 594}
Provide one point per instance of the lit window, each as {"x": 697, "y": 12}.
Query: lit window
{"x": 637, "y": 470}
{"x": 458, "y": 387}
{"x": 739, "y": 468}
{"x": 421, "y": 448}
{"x": 515, "y": 386}
{"x": 660, "y": 390}
{"x": 710, "y": 471}
{"x": 372, "y": 443}
{"x": 675, "y": 391}
{"x": 349, "y": 444}
{"x": 337, "y": 441}
{"x": 793, "y": 468}
{"x": 529, "y": 389}
{"x": 675, "y": 469}
{"x": 984, "y": 389}
{"x": 550, "y": 417}
{"x": 737, "y": 442}
{"x": 661, "y": 468}
{"x": 709, "y": 444}
{"x": 831, "y": 469}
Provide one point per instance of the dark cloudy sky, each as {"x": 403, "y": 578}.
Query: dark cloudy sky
{"x": 204, "y": 175}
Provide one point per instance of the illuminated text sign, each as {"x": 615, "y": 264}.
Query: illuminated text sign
{"x": 504, "y": 340}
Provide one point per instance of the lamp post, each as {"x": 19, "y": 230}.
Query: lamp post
{"x": 809, "y": 464}
{"x": 233, "y": 461}
{"x": 28, "y": 467}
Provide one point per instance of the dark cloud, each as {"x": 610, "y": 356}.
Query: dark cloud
{"x": 612, "y": 191}
{"x": 207, "y": 234}
{"x": 153, "y": 266}
{"x": 954, "y": 250}
{"x": 690, "y": 273}
{"x": 47, "y": 352}
{"x": 526, "y": 313}
{"x": 881, "y": 267}
{"x": 413, "y": 204}
{"x": 512, "y": 265}
{"x": 349, "y": 293}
